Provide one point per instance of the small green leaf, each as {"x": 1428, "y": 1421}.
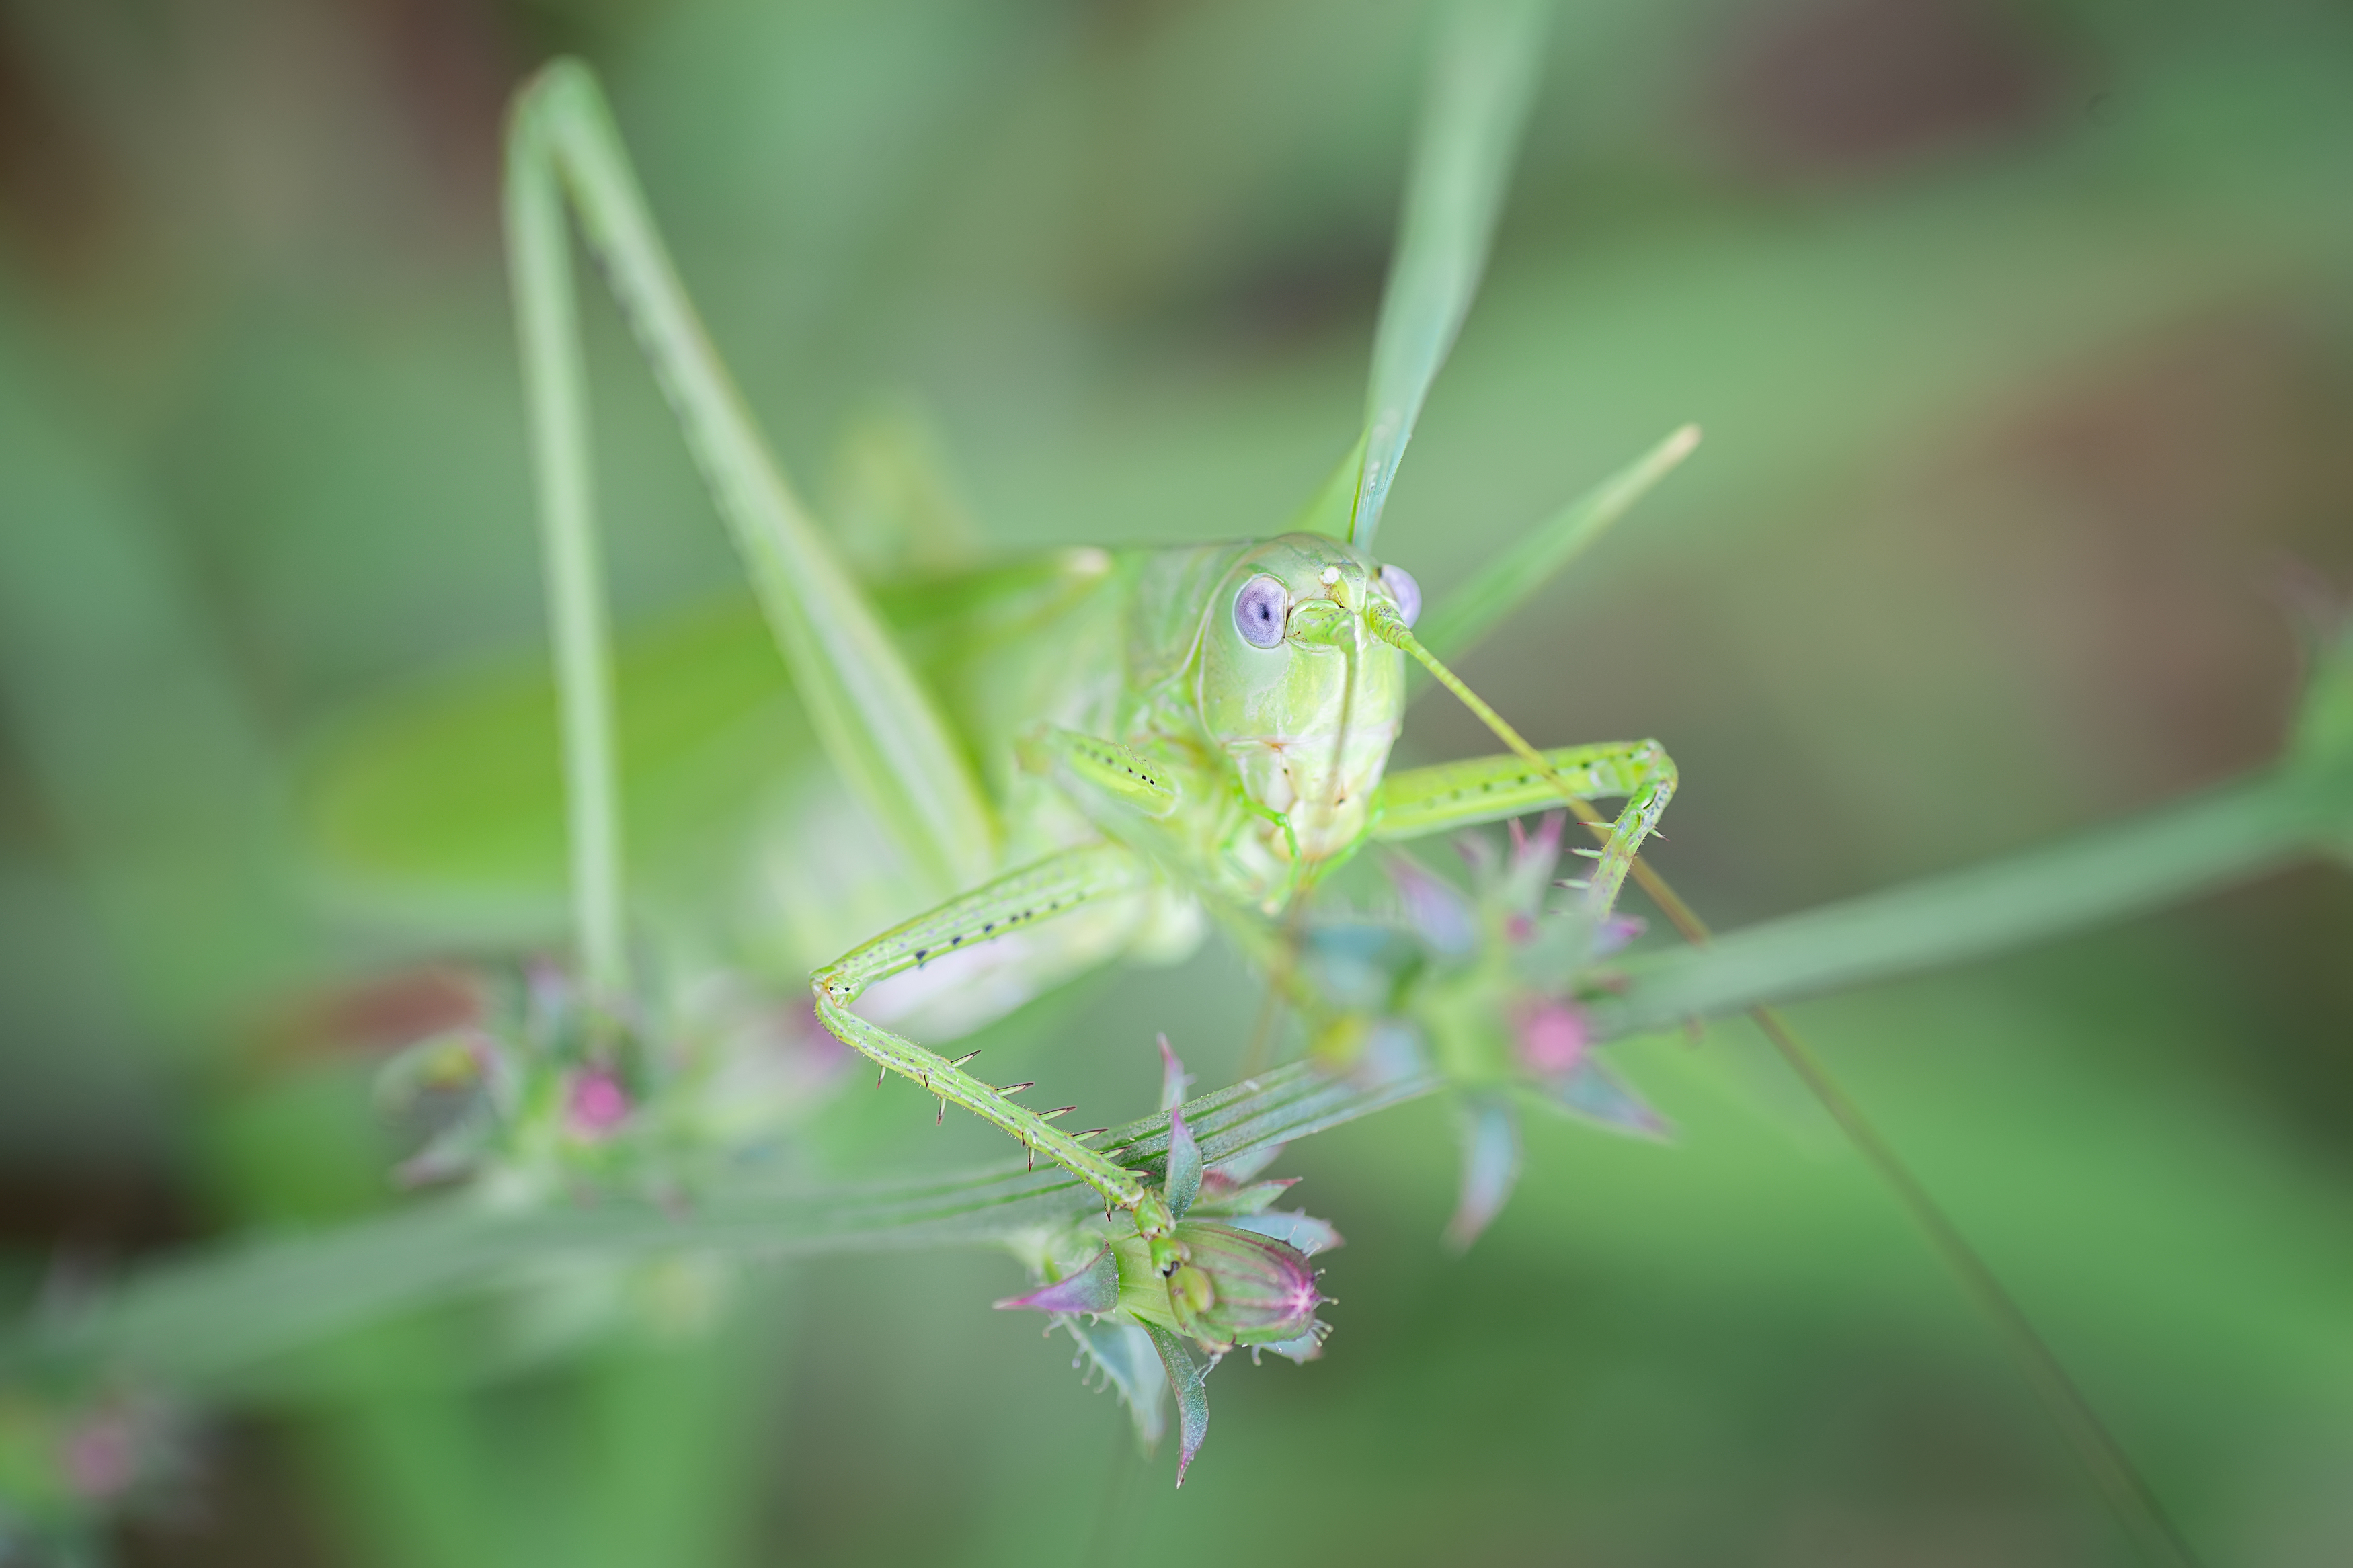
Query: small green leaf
{"x": 1184, "y": 1183}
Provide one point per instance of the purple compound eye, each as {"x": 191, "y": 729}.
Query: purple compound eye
{"x": 1405, "y": 591}
{"x": 1261, "y": 609}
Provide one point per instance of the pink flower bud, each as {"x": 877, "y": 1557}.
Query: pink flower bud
{"x": 1238, "y": 1287}
{"x": 1551, "y": 1038}
{"x": 596, "y": 1104}
{"x": 101, "y": 1457}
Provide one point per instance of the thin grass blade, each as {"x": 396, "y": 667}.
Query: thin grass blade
{"x": 1483, "y": 81}
{"x": 1471, "y": 611}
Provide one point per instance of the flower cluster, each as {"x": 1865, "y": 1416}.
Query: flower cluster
{"x": 540, "y": 1091}
{"x": 71, "y": 1459}
{"x": 1491, "y": 984}
{"x": 1155, "y": 1315}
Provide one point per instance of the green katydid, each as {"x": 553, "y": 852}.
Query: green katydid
{"x": 1207, "y": 725}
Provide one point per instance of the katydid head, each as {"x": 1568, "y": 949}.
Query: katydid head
{"x": 1295, "y": 687}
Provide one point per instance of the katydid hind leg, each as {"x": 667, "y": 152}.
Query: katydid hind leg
{"x": 881, "y": 726}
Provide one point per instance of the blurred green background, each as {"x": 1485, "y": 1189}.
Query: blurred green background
{"x": 2022, "y": 336}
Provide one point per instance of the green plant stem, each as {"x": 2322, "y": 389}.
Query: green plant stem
{"x": 2240, "y": 831}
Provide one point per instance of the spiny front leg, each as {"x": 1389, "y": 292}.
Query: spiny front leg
{"x": 1057, "y": 885}
{"x": 1422, "y": 801}
{"x": 1120, "y": 1186}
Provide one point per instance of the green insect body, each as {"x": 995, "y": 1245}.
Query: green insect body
{"x": 1073, "y": 757}
{"x": 1236, "y": 748}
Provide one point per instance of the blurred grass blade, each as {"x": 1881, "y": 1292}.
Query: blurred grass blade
{"x": 2170, "y": 853}
{"x": 1510, "y": 580}
{"x": 1480, "y": 90}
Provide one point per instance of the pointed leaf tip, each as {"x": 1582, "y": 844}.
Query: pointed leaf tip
{"x": 1174, "y": 1079}
{"x": 1593, "y": 1093}
{"x": 1094, "y": 1288}
{"x": 1183, "y": 1183}
{"x": 1189, "y": 1379}
{"x": 1491, "y": 1167}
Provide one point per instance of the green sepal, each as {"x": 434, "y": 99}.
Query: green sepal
{"x": 1593, "y": 1093}
{"x": 1220, "y": 1199}
{"x": 1183, "y": 1183}
{"x": 1189, "y": 1378}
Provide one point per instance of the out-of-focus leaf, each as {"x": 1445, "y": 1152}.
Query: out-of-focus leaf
{"x": 1125, "y": 1356}
{"x": 1593, "y": 1093}
{"x": 2228, "y": 835}
{"x": 1490, "y": 1132}
{"x": 1456, "y": 623}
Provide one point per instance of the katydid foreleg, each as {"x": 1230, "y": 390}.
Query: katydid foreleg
{"x": 1059, "y": 884}
{"x": 1120, "y": 1186}
{"x": 1423, "y": 800}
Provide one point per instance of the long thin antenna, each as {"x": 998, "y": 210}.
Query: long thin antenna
{"x": 2119, "y": 1480}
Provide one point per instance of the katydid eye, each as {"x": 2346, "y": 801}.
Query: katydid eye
{"x": 1261, "y": 609}
{"x": 1405, "y": 591}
